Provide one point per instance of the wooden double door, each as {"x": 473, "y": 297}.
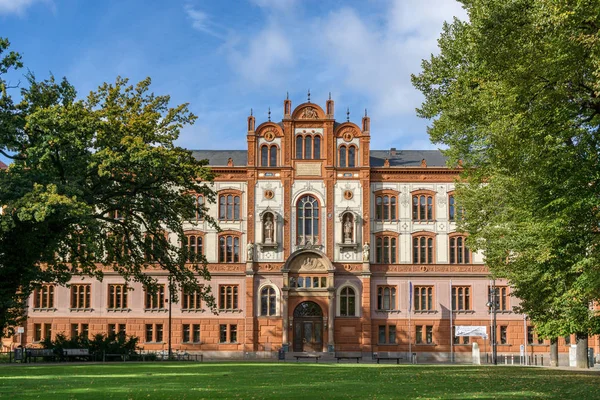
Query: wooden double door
{"x": 308, "y": 334}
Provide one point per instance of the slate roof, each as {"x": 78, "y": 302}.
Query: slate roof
{"x": 402, "y": 158}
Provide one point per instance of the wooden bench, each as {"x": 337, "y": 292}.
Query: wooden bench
{"x": 315, "y": 356}
{"x": 76, "y": 353}
{"x": 389, "y": 358}
{"x": 357, "y": 358}
{"x": 35, "y": 353}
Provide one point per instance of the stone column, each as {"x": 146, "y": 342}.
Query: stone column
{"x": 330, "y": 319}
{"x": 285, "y": 318}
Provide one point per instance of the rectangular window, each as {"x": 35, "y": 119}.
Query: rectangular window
{"x": 429, "y": 334}
{"x": 47, "y": 331}
{"x": 419, "y": 334}
{"x": 502, "y": 297}
{"x": 149, "y": 333}
{"x": 503, "y": 333}
{"x": 155, "y": 300}
{"x": 386, "y": 298}
{"x": 422, "y": 208}
{"x": 223, "y": 333}
{"x": 81, "y": 296}
{"x": 186, "y": 333}
{"x": 228, "y": 297}
{"x": 382, "y": 334}
{"x": 461, "y": 298}
{"x": 387, "y": 334}
{"x": 117, "y": 297}
{"x": 568, "y": 340}
{"x": 191, "y": 301}
{"x": 159, "y": 333}
{"x": 74, "y": 330}
{"x": 233, "y": 333}
{"x": 122, "y": 330}
{"x": 423, "y": 298}
{"x": 196, "y": 333}
{"x": 112, "y": 329}
{"x": 530, "y": 334}
{"x": 44, "y": 297}
{"x": 37, "y": 332}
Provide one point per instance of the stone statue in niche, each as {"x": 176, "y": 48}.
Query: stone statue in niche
{"x": 250, "y": 251}
{"x": 366, "y": 252}
{"x": 268, "y": 229}
{"x": 347, "y": 229}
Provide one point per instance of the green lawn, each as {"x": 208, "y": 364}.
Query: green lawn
{"x": 162, "y": 380}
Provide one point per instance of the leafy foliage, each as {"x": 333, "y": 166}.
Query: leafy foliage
{"x": 96, "y": 184}
{"x": 99, "y": 344}
{"x": 514, "y": 95}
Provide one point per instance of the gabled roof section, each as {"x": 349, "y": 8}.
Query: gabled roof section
{"x": 221, "y": 157}
{"x": 407, "y": 158}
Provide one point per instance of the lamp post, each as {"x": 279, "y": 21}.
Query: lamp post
{"x": 492, "y": 304}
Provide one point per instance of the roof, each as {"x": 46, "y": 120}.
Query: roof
{"x": 407, "y": 158}
{"x": 397, "y": 158}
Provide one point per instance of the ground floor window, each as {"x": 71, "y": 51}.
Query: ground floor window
{"x": 387, "y": 334}
{"x": 227, "y": 333}
{"x": 191, "y": 333}
{"x": 424, "y": 334}
{"x": 154, "y": 333}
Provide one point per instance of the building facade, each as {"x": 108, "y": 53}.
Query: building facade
{"x": 325, "y": 246}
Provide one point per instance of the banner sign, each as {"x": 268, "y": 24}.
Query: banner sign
{"x": 471, "y": 331}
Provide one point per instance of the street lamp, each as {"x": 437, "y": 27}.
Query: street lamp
{"x": 493, "y": 306}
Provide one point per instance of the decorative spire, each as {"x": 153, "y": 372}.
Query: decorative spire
{"x": 348, "y": 114}
{"x": 329, "y": 95}
{"x": 287, "y": 95}
{"x": 309, "y": 95}
{"x": 251, "y": 113}
{"x": 269, "y": 114}
{"x": 365, "y": 112}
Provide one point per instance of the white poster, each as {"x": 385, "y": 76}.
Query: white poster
{"x": 471, "y": 331}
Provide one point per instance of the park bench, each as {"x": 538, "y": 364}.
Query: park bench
{"x": 35, "y": 353}
{"x": 71, "y": 354}
{"x": 347, "y": 357}
{"x": 386, "y": 358}
{"x": 315, "y": 356}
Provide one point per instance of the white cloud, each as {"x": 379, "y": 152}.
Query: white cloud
{"x": 202, "y": 22}
{"x": 265, "y": 58}
{"x": 275, "y": 4}
{"x": 16, "y": 6}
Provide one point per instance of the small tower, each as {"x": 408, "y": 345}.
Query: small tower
{"x": 251, "y": 123}
{"x": 287, "y": 107}
{"x": 366, "y": 123}
{"x": 329, "y": 107}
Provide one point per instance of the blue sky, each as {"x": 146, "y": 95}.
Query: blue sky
{"x": 225, "y": 57}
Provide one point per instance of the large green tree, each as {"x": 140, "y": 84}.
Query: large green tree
{"x": 95, "y": 184}
{"x": 514, "y": 96}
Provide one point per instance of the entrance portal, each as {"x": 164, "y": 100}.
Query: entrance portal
{"x": 308, "y": 327}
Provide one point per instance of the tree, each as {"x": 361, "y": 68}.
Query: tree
{"x": 514, "y": 95}
{"x": 95, "y": 184}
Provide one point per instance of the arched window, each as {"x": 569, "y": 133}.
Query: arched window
{"x": 299, "y": 147}
{"x": 273, "y": 156}
{"x": 423, "y": 207}
{"x": 308, "y": 147}
{"x": 317, "y": 148}
{"x": 343, "y": 161}
{"x": 229, "y": 249}
{"x": 351, "y": 157}
{"x": 193, "y": 246}
{"x": 423, "y": 249}
{"x": 386, "y": 207}
{"x": 268, "y": 301}
{"x": 264, "y": 156}
{"x": 459, "y": 253}
{"x": 229, "y": 207}
{"x": 386, "y": 297}
{"x": 347, "y": 302}
{"x": 385, "y": 249}
{"x": 307, "y": 220}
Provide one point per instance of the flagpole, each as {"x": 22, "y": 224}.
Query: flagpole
{"x": 451, "y": 327}
{"x": 409, "y": 321}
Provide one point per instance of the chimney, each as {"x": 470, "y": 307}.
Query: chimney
{"x": 393, "y": 152}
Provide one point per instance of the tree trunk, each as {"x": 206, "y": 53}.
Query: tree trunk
{"x": 582, "y": 350}
{"x": 554, "y": 352}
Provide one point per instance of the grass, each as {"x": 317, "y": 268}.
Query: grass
{"x": 245, "y": 380}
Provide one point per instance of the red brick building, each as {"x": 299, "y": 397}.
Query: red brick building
{"x": 326, "y": 245}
